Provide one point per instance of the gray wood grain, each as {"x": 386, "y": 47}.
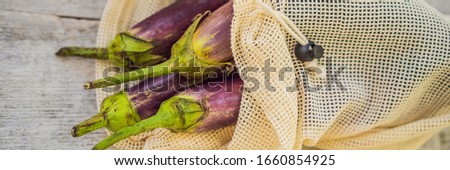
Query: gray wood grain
{"x": 69, "y": 8}
{"x": 441, "y": 5}
{"x": 41, "y": 94}
{"x": 444, "y": 139}
{"x": 440, "y": 141}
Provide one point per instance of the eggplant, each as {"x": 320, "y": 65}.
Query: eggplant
{"x": 149, "y": 42}
{"x": 137, "y": 103}
{"x": 198, "y": 109}
{"x": 204, "y": 48}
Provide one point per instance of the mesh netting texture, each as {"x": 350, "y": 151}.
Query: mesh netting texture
{"x": 387, "y": 83}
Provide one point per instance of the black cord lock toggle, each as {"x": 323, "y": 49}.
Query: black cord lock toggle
{"x": 308, "y": 52}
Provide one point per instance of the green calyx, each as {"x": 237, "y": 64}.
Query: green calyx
{"x": 184, "y": 61}
{"x": 116, "y": 113}
{"x": 184, "y": 113}
{"x": 125, "y": 50}
{"x": 178, "y": 114}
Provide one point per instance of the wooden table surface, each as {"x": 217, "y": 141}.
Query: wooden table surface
{"x": 41, "y": 94}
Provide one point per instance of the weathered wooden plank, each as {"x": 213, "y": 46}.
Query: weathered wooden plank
{"x": 433, "y": 144}
{"x": 440, "y": 5}
{"x": 442, "y": 140}
{"x": 79, "y": 8}
{"x": 41, "y": 95}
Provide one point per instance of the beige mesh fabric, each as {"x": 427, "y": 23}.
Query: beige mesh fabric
{"x": 387, "y": 83}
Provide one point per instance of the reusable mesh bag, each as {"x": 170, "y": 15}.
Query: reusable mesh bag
{"x": 386, "y": 84}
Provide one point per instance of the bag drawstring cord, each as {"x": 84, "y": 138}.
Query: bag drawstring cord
{"x": 285, "y": 22}
{"x": 306, "y": 51}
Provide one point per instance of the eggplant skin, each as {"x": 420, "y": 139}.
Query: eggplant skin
{"x": 165, "y": 27}
{"x": 220, "y": 102}
{"x": 198, "y": 109}
{"x": 209, "y": 52}
{"x": 212, "y": 39}
{"x": 147, "y": 96}
{"x": 150, "y": 41}
{"x": 133, "y": 105}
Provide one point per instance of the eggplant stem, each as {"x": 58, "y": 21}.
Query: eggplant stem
{"x": 178, "y": 114}
{"x": 143, "y": 126}
{"x": 184, "y": 59}
{"x": 95, "y": 53}
{"x": 164, "y": 68}
{"x": 179, "y": 54}
{"x": 96, "y": 122}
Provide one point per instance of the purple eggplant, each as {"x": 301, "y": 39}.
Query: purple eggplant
{"x": 204, "y": 48}
{"x": 198, "y": 109}
{"x": 148, "y": 42}
{"x": 133, "y": 105}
